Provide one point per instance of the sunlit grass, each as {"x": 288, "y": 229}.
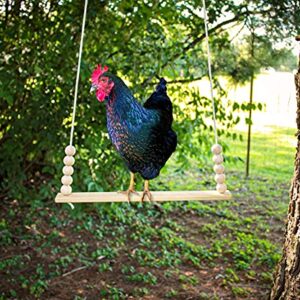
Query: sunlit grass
{"x": 271, "y": 155}
{"x": 275, "y": 90}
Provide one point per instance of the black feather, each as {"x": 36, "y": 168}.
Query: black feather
{"x": 141, "y": 134}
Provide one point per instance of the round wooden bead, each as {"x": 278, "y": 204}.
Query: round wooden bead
{"x": 66, "y": 190}
{"x": 221, "y": 188}
{"x": 66, "y": 180}
{"x": 68, "y": 170}
{"x": 216, "y": 149}
{"x": 218, "y": 159}
{"x": 70, "y": 150}
{"x": 69, "y": 160}
{"x": 219, "y": 169}
{"x": 220, "y": 178}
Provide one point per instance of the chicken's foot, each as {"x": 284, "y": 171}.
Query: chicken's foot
{"x": 147, "y": 192}
{"x": 130, "y": 188}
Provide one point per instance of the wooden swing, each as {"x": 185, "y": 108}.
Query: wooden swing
{"x": 66, "y": 195}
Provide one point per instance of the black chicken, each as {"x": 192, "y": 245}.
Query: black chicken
{"x": 142, "y": 135}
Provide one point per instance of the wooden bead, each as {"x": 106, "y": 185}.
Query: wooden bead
{"x": 216, "y": 149}
{"x": 70, "y": 150}
{"x": 220, "y": 178}
{"x": 66, "y": 190}
{"x": 68, "y": 170}
{"x": 219, "y": 169}
{"x": 69, "y": 160}
{"x": 218, "y": 159}
{"x": 221, "y": 188}
{"x": 66, "y": 180}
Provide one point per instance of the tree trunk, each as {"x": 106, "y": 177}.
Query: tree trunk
{"x": 287, "y": 276}
{"x": 250, "y": 110}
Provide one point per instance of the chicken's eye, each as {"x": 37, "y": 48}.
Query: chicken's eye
{"x": 103, "y": 80}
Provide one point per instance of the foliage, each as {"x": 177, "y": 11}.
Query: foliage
{"x": 139, "y": 40}
{"x": 254, "y": 52}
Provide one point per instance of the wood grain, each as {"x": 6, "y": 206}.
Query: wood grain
{"x": 157, "y": 196}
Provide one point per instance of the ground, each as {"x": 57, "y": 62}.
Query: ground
{"x": 184, "y": 250}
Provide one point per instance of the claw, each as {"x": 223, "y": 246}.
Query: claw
{"x": 148, "y": 194}
{"x": 128, "y": 193}
{"x": 130, "y": 189}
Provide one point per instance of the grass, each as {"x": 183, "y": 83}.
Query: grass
{"x": 196, "y": 250}
{"x": 272, "y": 153}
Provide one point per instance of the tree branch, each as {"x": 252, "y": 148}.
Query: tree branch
{"x": 190, "y": 46}
{"x": 185, "y": 80}
{"x": 198, "y": 39}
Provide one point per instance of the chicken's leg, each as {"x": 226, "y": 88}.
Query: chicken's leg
{"x": 147, "y": 192}
{"x": 130, "y": 188}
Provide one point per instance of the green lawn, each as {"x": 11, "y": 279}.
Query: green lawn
{"x": 272, "y": 153}
{"x": 183, "y": 250}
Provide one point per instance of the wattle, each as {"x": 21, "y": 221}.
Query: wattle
{"x": 100, "y": 95}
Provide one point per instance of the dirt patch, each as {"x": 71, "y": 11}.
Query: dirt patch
{"x": 46, "y": 254}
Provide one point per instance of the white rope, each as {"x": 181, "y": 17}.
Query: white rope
{"x": 210, "y": 73}
{"x": 78, "y": 73}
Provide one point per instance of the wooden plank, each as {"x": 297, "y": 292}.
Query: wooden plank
{"x": 157, "y": 196}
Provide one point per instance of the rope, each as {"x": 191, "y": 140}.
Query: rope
{"x": 210, "y": 73}
{"x": 78, "y": 73}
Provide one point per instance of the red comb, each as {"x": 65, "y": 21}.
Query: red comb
{"x": 97, "y": 73}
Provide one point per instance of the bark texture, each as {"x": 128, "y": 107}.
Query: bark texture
{"x": 287, "y": 276}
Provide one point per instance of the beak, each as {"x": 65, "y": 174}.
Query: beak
{"x": 93, "y": 88}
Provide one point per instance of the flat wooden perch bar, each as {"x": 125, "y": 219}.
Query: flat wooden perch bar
{"x": 89, "y": 197}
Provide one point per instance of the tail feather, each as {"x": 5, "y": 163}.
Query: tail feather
{"x": 162, "y": 86}
{"x": 159, "y": 99}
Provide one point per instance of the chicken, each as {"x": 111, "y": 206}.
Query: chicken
{"x": 142, "y": 135}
